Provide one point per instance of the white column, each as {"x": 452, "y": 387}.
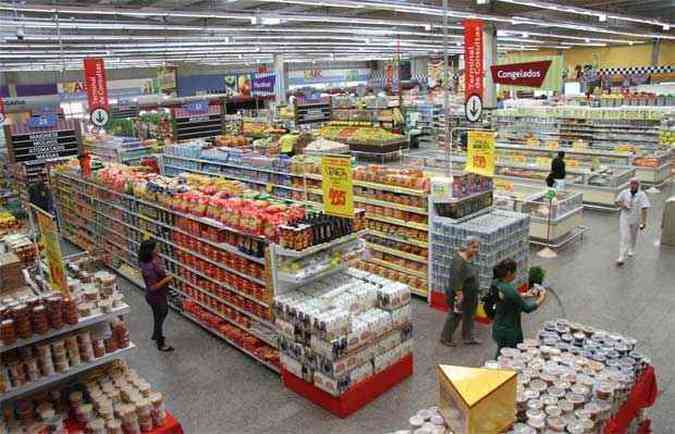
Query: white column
{"x": 489, "y": 59}
{"x": 281, "y": 85}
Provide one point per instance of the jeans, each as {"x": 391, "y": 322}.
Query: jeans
{"x": 466, "y": 317}
{"x": 159, "y": 312}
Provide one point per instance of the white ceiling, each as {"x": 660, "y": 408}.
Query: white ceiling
{"x": 138, "y": 33}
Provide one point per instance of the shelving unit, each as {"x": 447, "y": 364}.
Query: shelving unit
{"x": 127, "y": 150}
{"x": 118, "y": 222}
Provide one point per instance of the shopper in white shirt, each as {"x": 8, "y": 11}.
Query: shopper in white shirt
{"x": 633, "y": 204}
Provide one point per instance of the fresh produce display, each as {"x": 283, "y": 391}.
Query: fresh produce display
{"x": 259, "y": 129}
{"x": 340, "y": 331}
{"x": 359, "y": 135}
{"x": 231, "y": 141}
{"x": 322, "y": 145}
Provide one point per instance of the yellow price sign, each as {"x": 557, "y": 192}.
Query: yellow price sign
{"x": 480, "y": 157}
{"x": 269, "y": 187}
{"x": 50, "y": 240}
{"x": 338, "y": 191}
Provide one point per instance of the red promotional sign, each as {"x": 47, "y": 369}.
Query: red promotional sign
{"x": 473, "y": 58}
{"x": 2, "y": 106}
{"x": 96, "y": 83}
{"x": 531, "y": 74}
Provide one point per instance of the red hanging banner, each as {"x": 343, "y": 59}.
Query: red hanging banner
{"x": 531, "y": 74}
{"x": 96, "y": 83}
{"x": 473, "y": 58}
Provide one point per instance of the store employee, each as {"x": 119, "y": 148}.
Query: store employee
{"x": 633, "y": 204}
{"x": 558, "y": 169}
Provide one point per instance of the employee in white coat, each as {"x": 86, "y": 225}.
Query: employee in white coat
{"x": 633, "y": 204}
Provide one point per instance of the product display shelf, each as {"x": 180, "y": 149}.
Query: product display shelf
{"x": 502, "y": 234}
{"x": 399, "y": 222}
{"x": 394, "y": 252}
{"x": 59, "y": 377}
{"x": 399, "y": 239}
{"x": 231, "y": 342}
{"x": 599, "y": 188}
{"x": 396, "y": 267}
{"x": 169, "y": 247}
{"x": 83, "y": 322}
{"x": 566, "y": 211}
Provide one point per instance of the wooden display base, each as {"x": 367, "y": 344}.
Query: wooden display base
{"x": 357, "y": 396}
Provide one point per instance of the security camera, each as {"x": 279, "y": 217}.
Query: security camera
{"x": 20, "y": 34}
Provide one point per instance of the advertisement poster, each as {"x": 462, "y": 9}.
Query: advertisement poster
{"x": 244, "y": 85}
{"x": 263, "y": 84}
{"x": 473, "y": 58}
{"x": 337, "y": 186}
{"x": 231, "y": 84}
{"x": 96, "y": 83}
{"x": 481, "y": 153}
{"x": 50, "y": 240}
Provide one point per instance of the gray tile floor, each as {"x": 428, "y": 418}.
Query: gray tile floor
{"x": 213, "y": 389}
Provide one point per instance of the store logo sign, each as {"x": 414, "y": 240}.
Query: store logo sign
{"x": 530, "y": 74}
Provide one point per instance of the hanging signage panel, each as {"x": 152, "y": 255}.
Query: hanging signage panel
{"x": 96, "y": 83}
{"x": 530, "y": 74}
{"x": 28, "y": 144}
{"x": 473, "y": 58}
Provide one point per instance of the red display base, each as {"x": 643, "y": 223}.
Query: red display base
{"x": 171, "y": 426}
{"x": 358, "y": 395}
{"x": 642, "y": 396}
{"x": 439, "y": 301}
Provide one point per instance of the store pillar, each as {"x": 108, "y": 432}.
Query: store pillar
{"x": 489, "y": 59}
{"x": 281, "y": 84}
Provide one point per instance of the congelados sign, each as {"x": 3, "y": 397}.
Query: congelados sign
{"x": 531, "y": 74}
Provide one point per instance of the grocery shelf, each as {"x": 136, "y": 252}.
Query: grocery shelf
{"x": 231, "y": 342}
{"x": 418, "y": 292}
{"x": 393, "y": 205}
{"x": 236, "y": 178}
{"x": 282, "y": 251}
{"x": 222, "y": 300}
{"x": 395, "y": 252}
{"x": 83, "y": 322}
{"x": 398, "y": 268}
{"x": 327, "y": 271}
{"x": 228, "y": 319}
{"x": 46, "y": 381}
{"x": 394, "y": 221}
{"x": 217, "y": 282}
{"x": 391, "y": 188}
{"x": 224, "y": 164}
{"x": 410, "y": 241}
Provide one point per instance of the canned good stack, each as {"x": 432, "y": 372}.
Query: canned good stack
{"x": 502, "y": 234}
{"x": 572, "y": 378}
{"x": 341, "y": 330}
{"x": 112, "y": 400}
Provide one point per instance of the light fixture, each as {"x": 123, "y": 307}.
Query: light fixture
{"x": 270, "y": 21}
{"x": 666, "y": 27}
{"x": 602, "y": 18}
{"x": 427, "y": 27}
{"x": 525, "y": 35}
{"x": 587, "y": 40}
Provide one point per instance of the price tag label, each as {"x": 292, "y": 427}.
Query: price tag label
{"x": 337, "y": 186}
{"x": 269, "y": 187}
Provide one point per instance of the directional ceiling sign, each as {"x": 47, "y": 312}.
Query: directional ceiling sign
{"x": 474, "y": 108}
{"x": 99, "y": 117}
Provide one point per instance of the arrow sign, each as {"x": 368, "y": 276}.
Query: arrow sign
{"x": 473, "y": 108}
{"x": 2, "y": 118}
{"x": 99, "y": 117}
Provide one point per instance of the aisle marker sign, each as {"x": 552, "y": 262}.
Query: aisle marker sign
{"x": 481, "y": 153}
{"x": 50, "y": 239}
{"x": 97, "y": 87}
{"x": 473, "y": 59}
{"x": 338, "y": 195}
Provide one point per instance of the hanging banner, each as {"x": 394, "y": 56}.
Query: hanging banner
{"x": 337, "y": 187}
{"x": 231, "y": 82}
{"x": 50, "y": 240}
{"x": 473, "y": 58}
{"x": 96, "y": 83}
{"x": 244, "y": 85}
{"x": 530, "y": 74}
{"x": 480, "y": 157}
{"x": 264, "y": 84}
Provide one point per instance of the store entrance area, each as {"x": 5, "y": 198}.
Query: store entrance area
{"x": 214, "y": 388}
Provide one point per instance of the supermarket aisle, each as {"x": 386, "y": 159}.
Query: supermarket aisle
{"x": 214, "y": 389}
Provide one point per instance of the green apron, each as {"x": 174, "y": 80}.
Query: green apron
{"x": 507, "y": 330}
